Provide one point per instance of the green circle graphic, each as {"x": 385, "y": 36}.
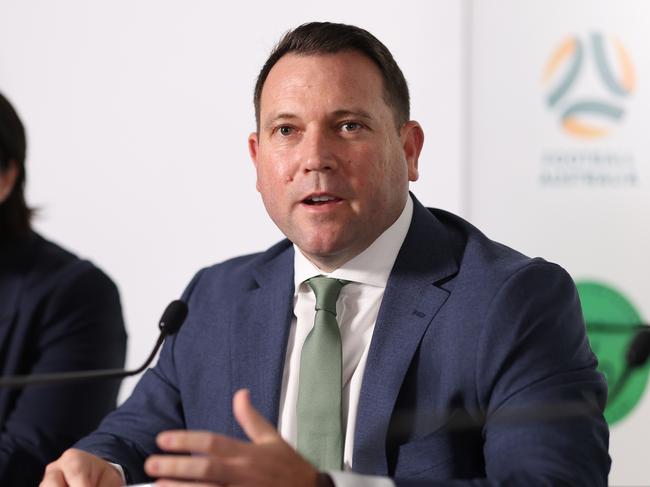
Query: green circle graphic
{"x": 612, "y": 322}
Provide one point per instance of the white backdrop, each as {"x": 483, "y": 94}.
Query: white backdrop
{"x": 138, "y": 111}
{"x": 137, "y": 114}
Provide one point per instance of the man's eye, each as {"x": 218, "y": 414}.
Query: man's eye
{"x": 350, "y": 126}
{"x": 285, "y": 131}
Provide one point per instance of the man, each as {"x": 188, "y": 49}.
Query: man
{"x": 462, "y": 361}
{"x": 57, "y": 313}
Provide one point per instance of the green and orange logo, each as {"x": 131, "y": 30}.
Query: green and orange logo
{"x": 584, "y": 115}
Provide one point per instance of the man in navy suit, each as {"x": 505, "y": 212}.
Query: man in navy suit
{"x": 463, "y": 361}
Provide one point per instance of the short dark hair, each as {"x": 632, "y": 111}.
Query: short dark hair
{"x": 330, "y": 38}
{"x": 15, "y": 215}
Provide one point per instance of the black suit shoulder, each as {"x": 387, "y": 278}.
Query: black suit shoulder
{"x": 59, "y": 278}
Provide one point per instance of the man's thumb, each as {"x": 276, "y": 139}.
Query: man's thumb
{"x": 258, "y": 429}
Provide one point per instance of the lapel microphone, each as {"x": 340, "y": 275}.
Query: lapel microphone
{"x": 170, "y": 322}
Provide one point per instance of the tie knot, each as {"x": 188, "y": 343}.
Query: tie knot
{"x": 327, "y": 291}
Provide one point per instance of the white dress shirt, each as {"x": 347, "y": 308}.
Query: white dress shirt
{"x": 356, "y": 309}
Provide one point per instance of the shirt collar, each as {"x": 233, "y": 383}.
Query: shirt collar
{"x": 372, "y": 266}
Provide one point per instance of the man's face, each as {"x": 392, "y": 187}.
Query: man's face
{"x": 332, "y": 167}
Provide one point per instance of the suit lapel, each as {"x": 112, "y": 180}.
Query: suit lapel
{"x": 410, "y": 302}
{"x": 260, "y": 331}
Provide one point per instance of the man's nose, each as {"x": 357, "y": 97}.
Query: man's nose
{"x": 319, "y": 151}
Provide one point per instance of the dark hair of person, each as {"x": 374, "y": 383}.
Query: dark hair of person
{"x": 329, "y": 38}
{"x": 15, "y": 215}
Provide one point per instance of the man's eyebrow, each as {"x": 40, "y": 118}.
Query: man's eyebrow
{"x": 279, "y": 117}
{"x": 355, "y": 113}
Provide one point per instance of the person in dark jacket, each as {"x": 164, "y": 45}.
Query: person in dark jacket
{"x": 57, "y": 313}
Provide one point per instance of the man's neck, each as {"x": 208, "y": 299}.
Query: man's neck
{"x": 329, "y": 263}
{"x": 372, "y": 265}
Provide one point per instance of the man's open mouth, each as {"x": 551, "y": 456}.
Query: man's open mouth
{"x": 317, "y": 200}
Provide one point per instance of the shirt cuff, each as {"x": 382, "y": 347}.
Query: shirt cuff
{"x": 350, "y": 479}
{"x": 121, "y": 470}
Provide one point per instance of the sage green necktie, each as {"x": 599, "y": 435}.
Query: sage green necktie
{"x": 320, "y": 432}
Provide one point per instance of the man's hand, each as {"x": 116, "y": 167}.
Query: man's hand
{"x": 76, "y": 468}
{"x": 207, "y": 459}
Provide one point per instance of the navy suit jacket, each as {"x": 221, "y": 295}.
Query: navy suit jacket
{"x": 57, "y": 313}
{"x": 479, "y": 370}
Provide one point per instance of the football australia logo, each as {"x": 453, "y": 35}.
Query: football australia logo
{"x": 587, "y": 82}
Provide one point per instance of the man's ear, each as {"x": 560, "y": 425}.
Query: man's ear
{"x": 253, "y": 147}
{"x": 412, "y": 137}
{"x": 8, "y": 180}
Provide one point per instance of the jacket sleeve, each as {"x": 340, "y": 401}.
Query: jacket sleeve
{"x": 541, "y": 395}
{"x": 76, "y": 325}
{"x": 127, "y": 436}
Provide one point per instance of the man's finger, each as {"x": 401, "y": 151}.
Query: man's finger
{"x": 182, "y": 441}
{"x": 76, "y": 473}
{"x": 197, "y": 467}
{"x": 258, "y": 429}
{"x": 53, "y": 478}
